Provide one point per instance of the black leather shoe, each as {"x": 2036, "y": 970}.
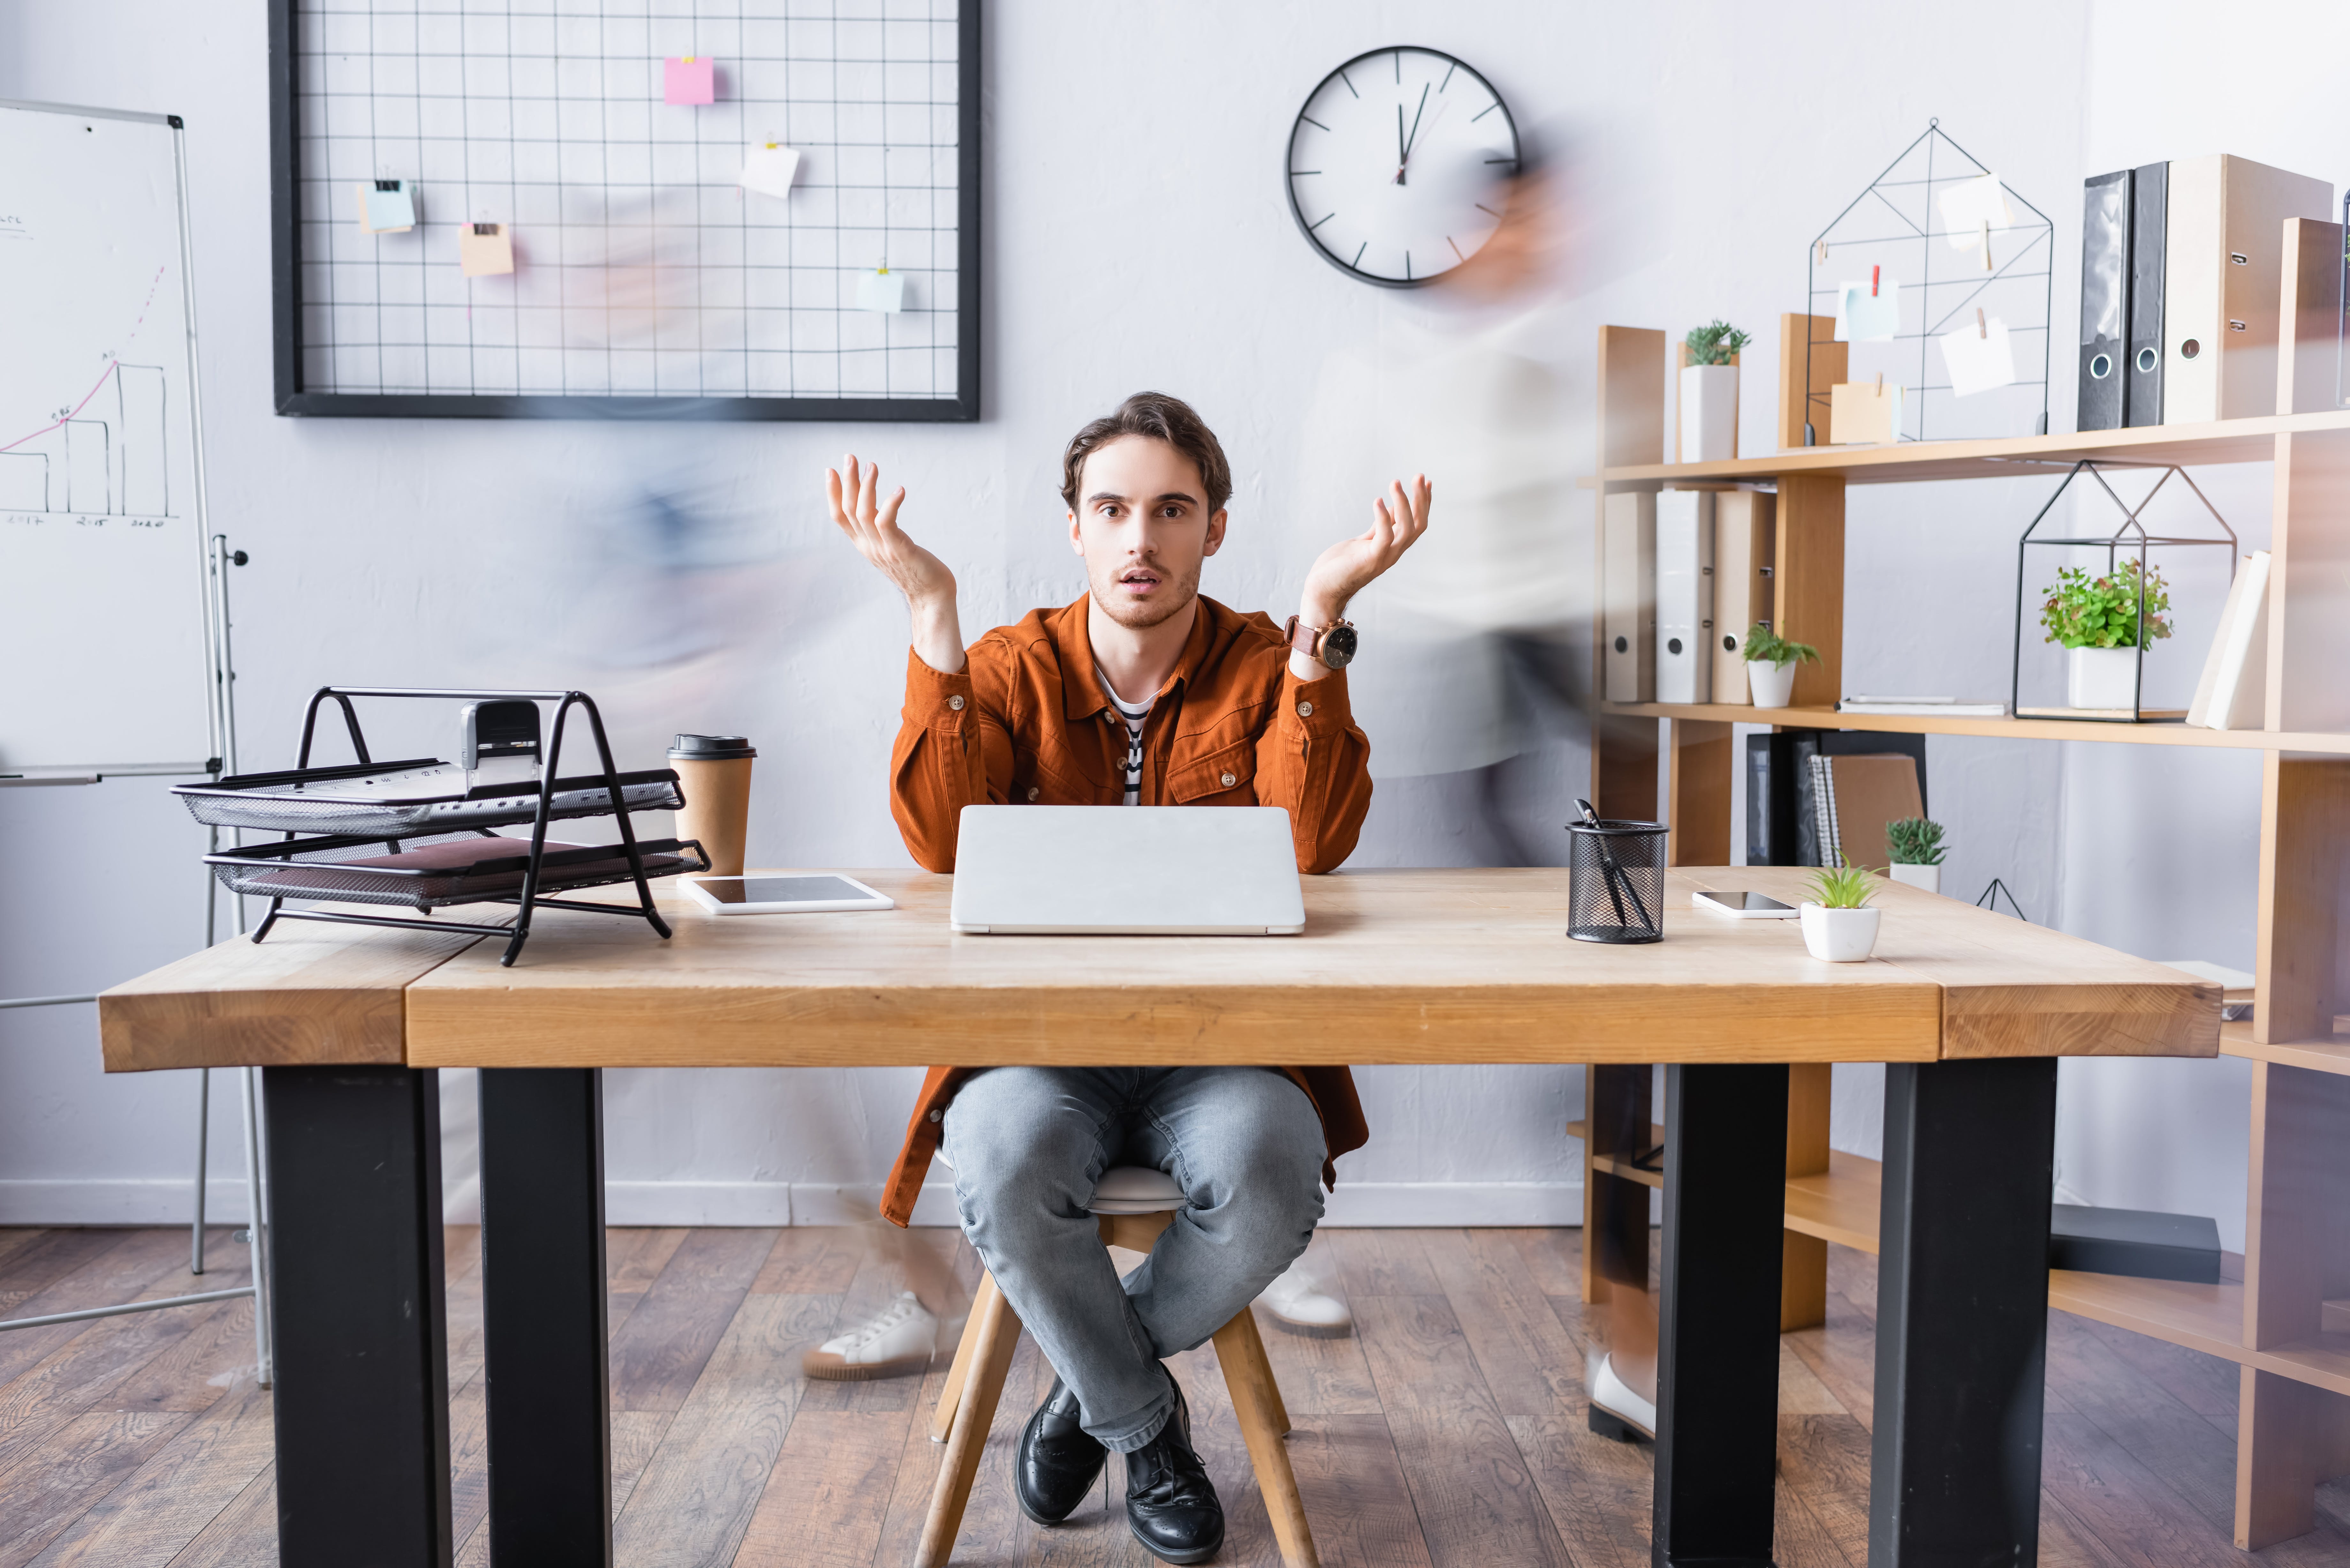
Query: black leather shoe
{"x": 1170, "y": 1505}
{"x": 1056, "y": 1464}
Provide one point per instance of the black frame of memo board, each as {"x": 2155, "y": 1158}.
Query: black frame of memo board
{"x": 286, "y": 290}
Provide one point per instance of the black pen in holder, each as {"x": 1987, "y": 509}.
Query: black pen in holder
{"x": 1616, "y": 887}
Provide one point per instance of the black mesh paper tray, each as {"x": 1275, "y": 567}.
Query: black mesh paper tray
{"x": 265, "y": 802}
{"x": 327, "y": 869}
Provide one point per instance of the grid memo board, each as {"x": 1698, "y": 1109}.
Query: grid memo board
{"x": 646, "y": 283}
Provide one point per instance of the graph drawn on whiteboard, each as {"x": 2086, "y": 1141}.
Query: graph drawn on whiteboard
{"x": 792, "y": 235}
{"x": 102, "y": 633}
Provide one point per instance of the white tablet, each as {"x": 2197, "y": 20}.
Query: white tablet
{"x": 784, "y": 893}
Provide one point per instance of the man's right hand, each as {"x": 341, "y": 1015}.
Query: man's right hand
{"x": 871, "y": 525}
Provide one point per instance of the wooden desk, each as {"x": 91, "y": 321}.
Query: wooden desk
{"x": 1432, "y": 967}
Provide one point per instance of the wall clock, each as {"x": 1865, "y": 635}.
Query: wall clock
{"x": 1393, "y": 164}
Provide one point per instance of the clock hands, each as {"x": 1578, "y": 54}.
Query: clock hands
{"x": 1403, "y": 143}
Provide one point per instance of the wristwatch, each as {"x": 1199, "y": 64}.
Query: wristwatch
{"x": 1334, "y": 644}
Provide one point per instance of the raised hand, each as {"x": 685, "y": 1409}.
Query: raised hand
{"x": 1347, "y": 567}
{"x": 871, "y": 525}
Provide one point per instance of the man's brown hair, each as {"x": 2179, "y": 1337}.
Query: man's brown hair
{"x": 1161, "y": 418}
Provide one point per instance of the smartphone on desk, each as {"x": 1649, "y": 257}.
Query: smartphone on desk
{"x": 1741, "y": 906}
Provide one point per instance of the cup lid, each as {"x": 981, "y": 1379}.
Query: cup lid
{"x": 710, "y": 749}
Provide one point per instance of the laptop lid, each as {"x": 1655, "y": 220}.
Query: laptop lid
{"x": 1144, "y": 870}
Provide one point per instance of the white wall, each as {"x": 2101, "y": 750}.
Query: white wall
{"x": 1137, "y": 234}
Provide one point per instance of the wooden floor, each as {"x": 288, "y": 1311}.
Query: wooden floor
{"x": 1447, "y": 1431}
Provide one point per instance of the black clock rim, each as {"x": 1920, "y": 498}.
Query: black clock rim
{"x": 1289, "y": 188}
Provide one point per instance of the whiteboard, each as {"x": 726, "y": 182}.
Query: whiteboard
{"x": 652, "y": 272}
{"x": 103, "y": 647}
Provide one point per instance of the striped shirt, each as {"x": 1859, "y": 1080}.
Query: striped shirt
{"x": 1134, "y": 715}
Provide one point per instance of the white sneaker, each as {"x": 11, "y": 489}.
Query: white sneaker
{"x": 898, "y": 1344}
{"x": 1299, "y": 1303}
{"x": 1616, "y": 1410}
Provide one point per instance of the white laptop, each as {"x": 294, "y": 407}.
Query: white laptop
{"x": 1140, "y": 871}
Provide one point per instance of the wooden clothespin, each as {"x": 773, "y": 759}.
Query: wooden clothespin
{"x": 1880, "y": 384}
{"x": 1981, "y": 328}
{"x": 1823, "y": 248}
{"x": 1872, "y": 287}
{"x": 1986, "y": 244}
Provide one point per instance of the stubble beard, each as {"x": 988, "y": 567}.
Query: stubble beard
{"x": 1162, "y": 607}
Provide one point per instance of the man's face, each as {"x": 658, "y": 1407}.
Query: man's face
{"x": 1143, "y": 525}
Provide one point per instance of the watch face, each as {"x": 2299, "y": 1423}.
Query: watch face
{"x": 1339, "y": 646}
{"x": 1395, "y": 163}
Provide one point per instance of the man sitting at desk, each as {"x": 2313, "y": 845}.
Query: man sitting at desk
{"x": 1144, "y": 693}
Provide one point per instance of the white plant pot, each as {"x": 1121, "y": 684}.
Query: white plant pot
{"x": 1840, "y": 936}
{"x": 1709, "y": 422}
{"x": 1928, "y": 877}
{"x": 2101, "y": 676}
{"x": 1771, "y": 685}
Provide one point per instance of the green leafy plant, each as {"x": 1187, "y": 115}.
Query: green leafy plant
{"x": 2082, "y": 611}
{"x": 1764, "y": 646}
{"x": 1714, "y": 344}
{"x": 1916, "y": 841}
{"x": 1845, "y": 887}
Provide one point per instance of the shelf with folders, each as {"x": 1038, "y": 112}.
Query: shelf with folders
{"x": 422, "y": 833}
{"x": 2296, "y": 1378}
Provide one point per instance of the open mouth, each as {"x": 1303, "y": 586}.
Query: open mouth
{"x": 1139, "y": 581}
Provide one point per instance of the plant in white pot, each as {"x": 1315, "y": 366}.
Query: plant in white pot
{"x": 1839, "y": 922}
{"x": 1708, "y": 415}
{"x": 2098, "y": 620}
{"x": 1770, "y": 661}
{"x": 1917, "y": 851}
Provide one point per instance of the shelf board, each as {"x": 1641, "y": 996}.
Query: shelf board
{"x": 2223, "y": 440}
{"x": 2325, "y": 1055}
{"x": 1615, "y": 1165}
{"x": 2009, "y": 728}
{"x": 1841, "y": 1204}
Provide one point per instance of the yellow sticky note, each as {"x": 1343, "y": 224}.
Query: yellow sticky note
{"x": 484, "y": 250}
{"x": 1864, "y": 411}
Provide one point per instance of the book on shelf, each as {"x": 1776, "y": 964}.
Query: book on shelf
{"x": 1944, "y": 707}
{"x": 2232, "y": 692}
{"x": 1781, "y": 809}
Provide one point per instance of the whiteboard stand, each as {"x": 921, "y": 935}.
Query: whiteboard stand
{"x": 131, "y": 457}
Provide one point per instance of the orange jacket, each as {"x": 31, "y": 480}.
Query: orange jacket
{"x": 1026, "y": 720}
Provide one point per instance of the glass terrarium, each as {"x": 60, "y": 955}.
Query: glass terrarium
{"x": 2120, "y": 582}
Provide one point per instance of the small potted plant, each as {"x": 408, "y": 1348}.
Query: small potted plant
{"x": 1709, "y": 421}
{"x": 1839, "y": 922}
{"x": 1917, "y": 851}
{"x": 1770, "y": 661}
{"x": 2096, "y": 619}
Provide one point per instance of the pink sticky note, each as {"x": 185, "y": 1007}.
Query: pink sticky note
{"x": 689, "y": 80}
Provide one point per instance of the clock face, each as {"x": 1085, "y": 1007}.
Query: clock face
{"x": 1395, "y": 165}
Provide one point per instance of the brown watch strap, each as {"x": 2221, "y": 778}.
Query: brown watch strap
{"x": 1301, "y": 638}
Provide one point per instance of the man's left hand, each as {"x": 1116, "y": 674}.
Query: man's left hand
{"x": 1347, "y": 567}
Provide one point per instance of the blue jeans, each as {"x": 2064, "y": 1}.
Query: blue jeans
{"x": 1027, "y": 1145}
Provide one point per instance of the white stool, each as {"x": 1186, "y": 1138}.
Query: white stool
{"x": 1132, "y": 1204}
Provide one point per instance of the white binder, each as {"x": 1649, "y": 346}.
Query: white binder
{"x": 1742, "y": 545}
{"x": 1685, "y": 596}
{"x": 1629, "y": 603}
{"x": 2223, "y": 259}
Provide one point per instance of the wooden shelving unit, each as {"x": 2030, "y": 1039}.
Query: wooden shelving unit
{"x": 2294, "y": 1413}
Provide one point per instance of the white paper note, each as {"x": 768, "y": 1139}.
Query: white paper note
{"x": 883, "y": 290}
{"x": 1978, "y": 360}
{"x": 1866, "y": 317}
{"x": 1968, "y": 205}
{"x": 769, "y": 169}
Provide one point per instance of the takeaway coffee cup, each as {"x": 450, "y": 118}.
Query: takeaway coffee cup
{"x": 714, "y": 772}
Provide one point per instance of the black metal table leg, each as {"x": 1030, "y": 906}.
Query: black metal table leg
{"x": 543, "y": 1317}
{"x": 1718, "y": 1321}
{"x": 363, "y": 1392}
{"x": 1962, "y": 1313}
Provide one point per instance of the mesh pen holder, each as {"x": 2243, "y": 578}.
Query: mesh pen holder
{"x": 1615, "y": 886}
